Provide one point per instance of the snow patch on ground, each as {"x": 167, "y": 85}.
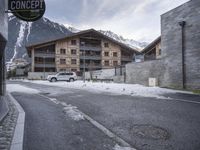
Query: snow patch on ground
{"x": 113, "y": 88}
{"x": 73, "y": 112}
{"x": 20, "y": 88}
{"x": 117, "y": 147}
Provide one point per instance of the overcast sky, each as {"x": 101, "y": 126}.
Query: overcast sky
{"x": 134, "y": 19}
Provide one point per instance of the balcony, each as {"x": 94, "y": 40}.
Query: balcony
{"x": 90, "y": 57}
{"x": 96, "y": 66}
{"x": 46, "y": 65}
{"x": 91, "y": 48}
{"x": 44, "y": 55}
{"x": 126, "y": 58}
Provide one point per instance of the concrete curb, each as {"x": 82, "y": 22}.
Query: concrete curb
{"x": 17, "y": 141}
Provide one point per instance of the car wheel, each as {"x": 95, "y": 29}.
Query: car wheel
{"x": 71, "y": 80}
{"x": 53, "y": 80}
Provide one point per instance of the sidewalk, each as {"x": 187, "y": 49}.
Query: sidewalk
{"x": 7, "y": 125}
{"x": 3, "y": 108}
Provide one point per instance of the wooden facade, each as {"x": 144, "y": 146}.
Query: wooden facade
{"x": 88, "y": 49}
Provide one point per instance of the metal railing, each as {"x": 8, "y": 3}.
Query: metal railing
{"x": 46, "y": 65}
{"x": 46, "y": 55}
{"x": 90, "y": 48}
{"x": 91, "y": 66}
{"x": 91, "y": 57}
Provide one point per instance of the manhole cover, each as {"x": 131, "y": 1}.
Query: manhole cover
{"x": 44, "y": 93}
{"x": 150, "y": 132}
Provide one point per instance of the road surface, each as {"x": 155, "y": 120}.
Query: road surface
{"x": 145, "y": 123}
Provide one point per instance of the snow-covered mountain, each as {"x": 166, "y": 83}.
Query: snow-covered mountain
{"x": 130, "y": 42}
{"x": 21, "y": 34}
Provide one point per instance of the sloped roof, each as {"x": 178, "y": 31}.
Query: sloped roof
{"x": 151, "y": 45}
{"x": 81, "y": 33}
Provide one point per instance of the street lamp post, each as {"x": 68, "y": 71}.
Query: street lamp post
{"x": 44, "y": 66}
{"x": 83, "y": 44}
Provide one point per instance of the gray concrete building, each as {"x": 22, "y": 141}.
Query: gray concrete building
{"x": 179, "y": 56}
{"x": 182, "y": 67}
{"x": 3, "y": 39}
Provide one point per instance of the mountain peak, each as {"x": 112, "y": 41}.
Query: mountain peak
{"x": 23, "y": 33}
{"x": 129, "y": 42}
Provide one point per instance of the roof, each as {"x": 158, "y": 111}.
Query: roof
{"x": 151, "y": 45}
{"x": 80, "y": 33}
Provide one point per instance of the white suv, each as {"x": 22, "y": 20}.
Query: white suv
{"x": 63, "y": 76}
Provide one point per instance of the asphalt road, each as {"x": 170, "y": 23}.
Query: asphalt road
{"x": 145, "y": 123}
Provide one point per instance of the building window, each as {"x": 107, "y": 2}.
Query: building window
{"x": 159, "y": 52}
{"x": 106, "y": 53}
{"x": 62, "y": 51}
{"x": 106, "y": 45}
{"x": 62, "y": 70}
{"x": 62, "y": 61}
{"x": 73, "y": 51}
{"x": 106, "y": 63}
{"x": 73, "y": 61}
{"x": 115, "y": 63}
{"x": 73, "y": 42}
{"x": 114, "y": 54}
{"x": 73, "y": 70}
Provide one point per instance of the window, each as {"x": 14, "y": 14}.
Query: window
{"x": 62, "y": 61}
{"x": 106, "y": 45}
{"x": 62, "y": 51}
{"x": 73, "y": 42}
{"x": 106, "y": 63}
{"x": 114, "y": 54}
{"x": 73, "y": 70}
{"x": 106, "y": 53}
{"x": 62, "y": 70}
{"x": 73, "y": 61}
{"x": 115, "y": 63}
{"x": 62, "y": 74}
{"x": 69, "y": 73}
{"x": 73, "y": 51}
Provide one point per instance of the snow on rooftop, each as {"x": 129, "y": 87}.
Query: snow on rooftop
{"x": 112, "y": 88}
{"x": 20, "y": 88}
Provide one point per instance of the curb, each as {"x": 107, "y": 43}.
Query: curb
{"x": 17, "y": 141}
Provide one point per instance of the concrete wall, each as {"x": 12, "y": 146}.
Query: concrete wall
{"x": 111, "y": 74}
{"x": 3, "y": 40}
{"x": 3, "y": 20}
{"x": 101, "y": 74}
{"x": 171, "y": 45}
{"x": 39, "y": 75}
{"x": 139, "y": 73}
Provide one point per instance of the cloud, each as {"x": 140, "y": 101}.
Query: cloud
{"x": 136, "y": 19}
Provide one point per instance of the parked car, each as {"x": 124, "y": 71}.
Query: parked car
{"x": 62, "y": 76}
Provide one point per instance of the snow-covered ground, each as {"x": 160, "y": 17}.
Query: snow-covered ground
{"x": 113, "y": 88}
{"x": 20, "y": 88}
